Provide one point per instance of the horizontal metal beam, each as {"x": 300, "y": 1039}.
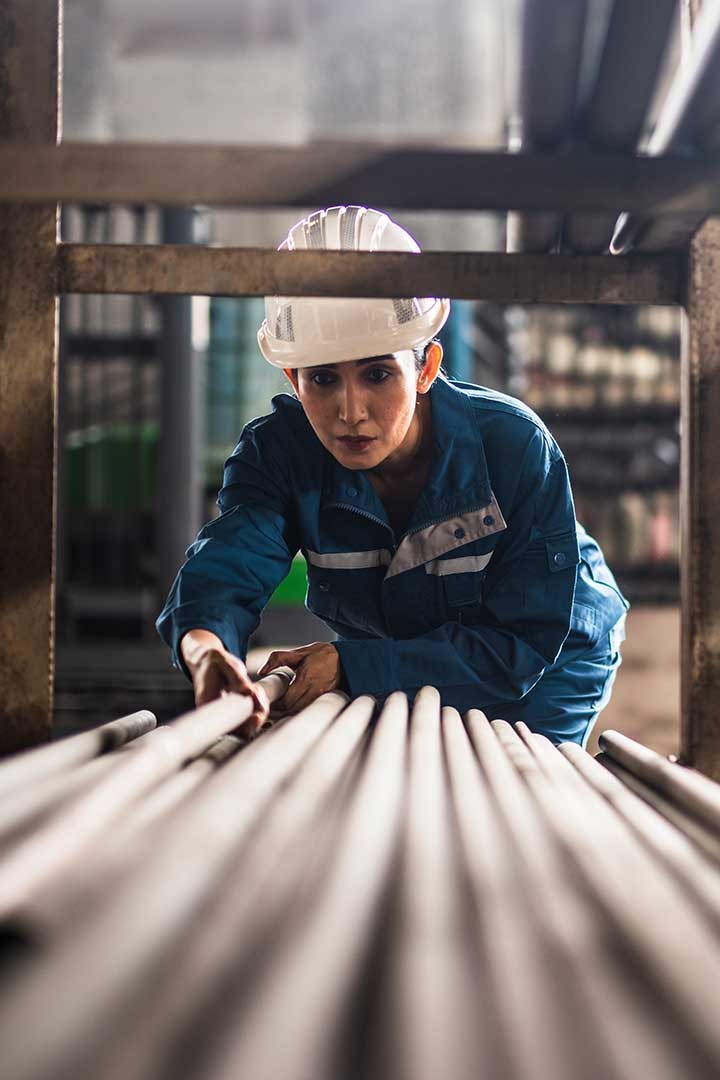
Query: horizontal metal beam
{"x": 521, "y": 279}
{"x": 321, "y": 174}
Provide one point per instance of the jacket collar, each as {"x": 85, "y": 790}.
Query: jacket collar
{"x": 458, "y": 481}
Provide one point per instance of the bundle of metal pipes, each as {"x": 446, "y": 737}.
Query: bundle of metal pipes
{"x": 355, "y": 893}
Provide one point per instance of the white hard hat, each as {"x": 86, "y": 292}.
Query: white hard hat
{"x": 302, "y": 331}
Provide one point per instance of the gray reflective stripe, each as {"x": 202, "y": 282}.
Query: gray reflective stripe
{"x": 429, "y": 544}
{"x": 468, "y": 565}
{"x": 349, "y": 560}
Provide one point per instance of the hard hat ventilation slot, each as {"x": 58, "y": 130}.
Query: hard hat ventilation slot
{"x": 284, "y": 324}
{"x": 347, "y": 237}
{"x": 406, "y": 310}
{"x": 314, "y": 231}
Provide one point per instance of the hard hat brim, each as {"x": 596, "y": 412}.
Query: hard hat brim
{"x": 343, "y": 349}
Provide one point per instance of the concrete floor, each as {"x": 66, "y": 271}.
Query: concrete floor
{"x": 646, "y": 697}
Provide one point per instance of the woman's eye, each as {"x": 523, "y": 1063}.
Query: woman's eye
{"x": 322, "y": 378}
{"x": 378, "y": 375}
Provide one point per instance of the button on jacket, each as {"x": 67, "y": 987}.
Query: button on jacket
{"x": 478, "y": 597}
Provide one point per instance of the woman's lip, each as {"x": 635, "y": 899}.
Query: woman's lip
{"x": 356, "y": 440}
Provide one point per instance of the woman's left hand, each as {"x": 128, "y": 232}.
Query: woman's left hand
{"x": 317, "y": 670}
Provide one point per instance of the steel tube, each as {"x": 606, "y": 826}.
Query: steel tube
{"x": 427, "y": 1001}
{"x": 323, "y": 943}
{"x": 628, "y": 884}
{"x": 708, "y": 842}
{"x": 692, "y": 791}
{"x": 36, "y": 765}
{"x": 25, "y": 867}
{"x": 535, "y": 1014}
{"x": 667, "y": 843}
{"x": 151, "y": 911}
{"x": 608, "y": 1016}
{"x": 69, "y": 897}
{"x": 244, "y": 918}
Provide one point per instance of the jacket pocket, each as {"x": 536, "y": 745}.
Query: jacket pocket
{"x": 320, "y": 599}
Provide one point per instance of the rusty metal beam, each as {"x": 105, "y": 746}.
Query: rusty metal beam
{"x": 632, "y": 56}
{"x": 552, "y": 43}
{"x": 28, "y": 379}
{"x": 700, "y": 506}
{"x": 320, "y": 174}
{"x": 689, "y": 121}
{"x": 517, "y": 279}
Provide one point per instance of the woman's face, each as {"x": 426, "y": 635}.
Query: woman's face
{"x": 362, "y": 411}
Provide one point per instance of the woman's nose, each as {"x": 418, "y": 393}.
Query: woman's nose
{"x": 352, "y": 407}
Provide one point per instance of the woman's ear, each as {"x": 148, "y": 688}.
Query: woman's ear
{"x": 429, "y": 373}
{"x": 291, "y": 375}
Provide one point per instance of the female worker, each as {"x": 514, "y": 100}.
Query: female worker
{"x": 436, "y": 519}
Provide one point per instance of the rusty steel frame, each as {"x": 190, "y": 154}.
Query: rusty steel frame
{"x": 29, "y": 59}
{"x": 37, "y": 172}
{"x": 323, "y": 173}
{"x": 223, "y": 271}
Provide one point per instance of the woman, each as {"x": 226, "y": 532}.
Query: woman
{"x": 436, "y": 519}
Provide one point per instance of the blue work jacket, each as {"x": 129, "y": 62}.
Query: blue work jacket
{"x": 476, "y": 597}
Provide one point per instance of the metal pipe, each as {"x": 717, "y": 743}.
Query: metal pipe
{"x": 28, "y": 806}
{"x": 606, "y": 1013}
{"x": 701, "y": 836}
{"x": 535, "y": 1012}
{"x": 151, "y": 911}
{"x": 628, "y": 885}
{"x": 332, "y": 940}
{"x": 25, "y": 867}
{"x": 258, "y": 899}
{"x": 692, "y": 791}
{"x": 34, "y": 766}
{"x": 69, "y": 897}
{"x": 667, "y": 843}
{"x": 262, "y": 893}
{"x": 426, "y": 1004}
{"x": 690, "y": 119}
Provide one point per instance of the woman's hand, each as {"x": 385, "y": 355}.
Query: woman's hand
{"x": 317, "y": 670}
{"x": 215, "y": 671}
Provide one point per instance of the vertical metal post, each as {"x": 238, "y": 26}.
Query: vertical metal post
{"x": 700, "y": 505}
{"x": 700, "y": 492}
{"x": 29, "y": 79}
{"x": 180, "y": 469}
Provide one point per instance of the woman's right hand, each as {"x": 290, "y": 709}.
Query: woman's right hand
{"x": 215, "y": 671}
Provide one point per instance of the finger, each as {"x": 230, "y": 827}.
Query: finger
{"x": 288, "y": 658}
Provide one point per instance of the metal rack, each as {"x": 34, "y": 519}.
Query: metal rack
{"x": 36, "y": 174}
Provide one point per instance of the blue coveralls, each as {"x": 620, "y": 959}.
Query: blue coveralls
{"x": 494, "y": 593}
